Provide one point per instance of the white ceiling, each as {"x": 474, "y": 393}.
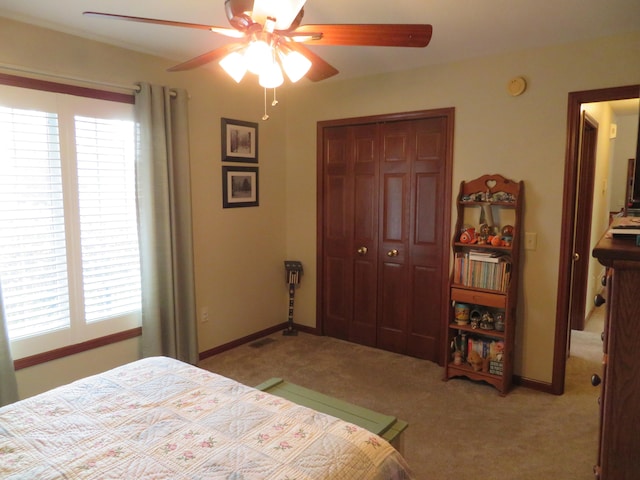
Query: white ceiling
{"x": 462, "y": 29}
{"x": 625, "y": 107}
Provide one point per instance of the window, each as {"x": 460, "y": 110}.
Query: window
{"x": 69, "y": 262}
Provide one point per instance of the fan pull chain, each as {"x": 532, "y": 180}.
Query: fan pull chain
{"x": 265, "y": 116}
{"x": 273, "y": 103}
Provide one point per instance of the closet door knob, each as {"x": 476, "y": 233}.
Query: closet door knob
{"x": 362, "y": 251}
{"x": 392, "y": 253}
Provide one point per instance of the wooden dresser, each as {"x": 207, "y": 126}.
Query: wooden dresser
{"x": 619, "y": 440}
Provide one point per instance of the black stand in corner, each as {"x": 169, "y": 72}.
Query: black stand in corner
{"x": 293, "y": 272}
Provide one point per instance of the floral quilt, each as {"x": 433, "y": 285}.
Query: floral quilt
{"x": 159, "y": 418}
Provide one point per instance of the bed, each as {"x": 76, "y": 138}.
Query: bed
{"x": 159, "y": 418}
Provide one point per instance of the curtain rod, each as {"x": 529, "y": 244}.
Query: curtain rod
{"x": 30, "y": 71}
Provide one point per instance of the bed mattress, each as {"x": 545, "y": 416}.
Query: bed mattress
{"x": 160, "y": 418}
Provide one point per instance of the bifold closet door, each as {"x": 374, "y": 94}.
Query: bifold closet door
{"x": 350, "y": 233}
{"x": 410, "y": 286}
{"x": 383, "y": 220}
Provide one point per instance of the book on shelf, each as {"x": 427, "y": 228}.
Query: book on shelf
{"x": 625, "y": 226}
{"x": 482, "y": 274}
{"x": 485, "y": 256}
{"x": 486, "y": 348}
{"x": 625, "y": 231}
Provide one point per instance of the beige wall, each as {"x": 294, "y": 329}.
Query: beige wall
{"x": 523, "y": 138}
{"x": 239, "y": 252}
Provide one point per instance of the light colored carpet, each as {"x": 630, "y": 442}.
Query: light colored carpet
{"x": 458, "y": 430}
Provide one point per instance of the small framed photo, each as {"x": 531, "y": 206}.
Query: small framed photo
{"x": 239, "y": 187}
{"x": 239, "y": 141}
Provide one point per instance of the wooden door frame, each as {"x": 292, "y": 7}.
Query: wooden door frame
{"x": 576, "y": 99}
{"x": 447, "y": 189}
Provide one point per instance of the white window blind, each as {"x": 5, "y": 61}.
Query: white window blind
{"x": 69, "y": 260}
{"x": 33, "y": 259}
{"x": 106, "y": 191}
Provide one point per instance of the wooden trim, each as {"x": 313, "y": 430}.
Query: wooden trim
{"x": 446, "y": 231}
{"x": 254, "y": 336}
{"x": 306, "y": 329}
{"x": 319, "y": 224}
{"x": 575, "y": 100}
{"x": 532, "y": 384}
{"x": 77, "y": 348}
{"x": 55, "y": 87}
{"x": 389, "y": 117}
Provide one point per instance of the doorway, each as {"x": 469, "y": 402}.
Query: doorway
{"x": 570, "y": 223}
{"x": 384, "y": 202}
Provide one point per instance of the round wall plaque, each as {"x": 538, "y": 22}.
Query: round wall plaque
{"x": 516, "y": 86}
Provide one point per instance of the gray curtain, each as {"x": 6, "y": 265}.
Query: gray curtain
{"x": 8, "y": 383}
{"x": 164, "y": 212}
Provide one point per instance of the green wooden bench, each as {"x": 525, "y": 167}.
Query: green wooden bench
{"x": 388, "y": 427}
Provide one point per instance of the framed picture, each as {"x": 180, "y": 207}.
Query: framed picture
{"x": 239, "y": 141}
{"x": 239, "y": 187}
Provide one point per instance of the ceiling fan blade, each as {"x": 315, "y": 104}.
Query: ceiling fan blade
{"x": 383, "y": 35}
{"x": 228, "y": 32}
{"x": 301, "y": 37}
{"x": 320, "y": 69}
{"x": 205, "y": 58}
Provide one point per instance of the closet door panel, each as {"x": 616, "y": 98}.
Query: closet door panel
{"x": 392, "y": 279}
{"x": 338, "y": 298}
{"x": 392, "y": 313}
{"x": 393, "y": 208}
{"x": 337, "y": 227}
{"x": 427, "y": 238}
{"x": 362, "y": 328}
{"x": 395, "y": 165}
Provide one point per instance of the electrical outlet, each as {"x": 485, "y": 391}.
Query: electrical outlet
{"x": 204, "y": 314}
{"x": 530, "y": 240}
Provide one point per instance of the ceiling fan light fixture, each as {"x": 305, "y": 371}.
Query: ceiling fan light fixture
{"x": 294, "y": 64}
{"x": 257, "y": 56}
{"x": 235, "y": 65}
{"x": 271, "y": 76}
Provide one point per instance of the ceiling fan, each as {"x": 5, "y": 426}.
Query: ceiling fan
{"x": 270, "y": 39}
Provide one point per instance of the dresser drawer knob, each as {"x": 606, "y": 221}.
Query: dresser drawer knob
{"x": 599, "y": 300}
{"x": 595, "y": 380}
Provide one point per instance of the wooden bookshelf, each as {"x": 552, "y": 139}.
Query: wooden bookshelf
{"x": 487, "y": 207}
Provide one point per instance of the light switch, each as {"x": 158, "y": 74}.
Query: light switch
{"x": 530, "y": 240}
